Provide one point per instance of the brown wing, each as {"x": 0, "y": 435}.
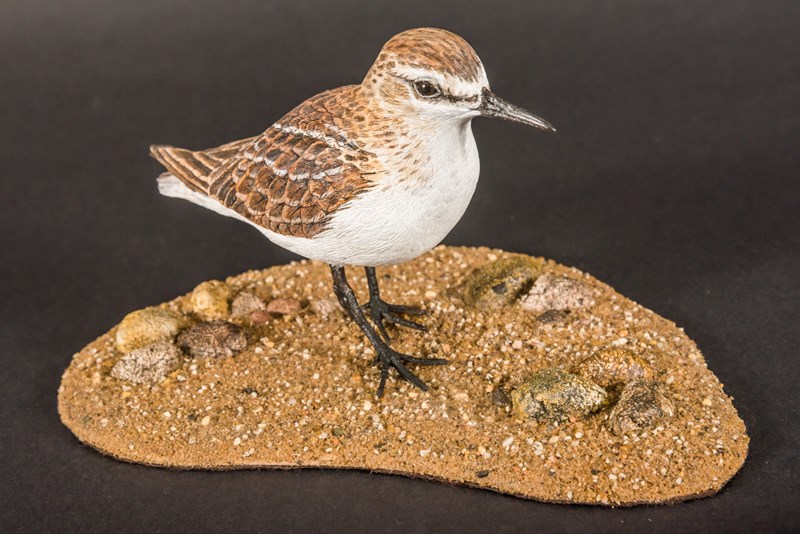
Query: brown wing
{"x": 290, "y": 179}
{"x": 194, "y": 168}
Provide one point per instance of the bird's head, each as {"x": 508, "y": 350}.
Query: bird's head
{"x": 435, "y": 75}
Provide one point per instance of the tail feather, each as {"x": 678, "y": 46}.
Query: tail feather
{"x": 192, "y": 168}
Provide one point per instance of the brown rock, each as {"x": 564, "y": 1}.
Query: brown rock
{"x": 147, "y": 364}
{"x": 144, "y": 327}
{"x": 209, "y": 300}
{"x": 551, "y": 292}
{"x": 552, "y": 316}
{"x": 613, "y": 366}
{"x": 641, "y": 405}
{"x": 214, "y": 339}
{"x": 501, "y": 282}
{"x": 246, "y": 303}
{"x": 554, "y": 394}
{"x": 283, "y": 306}
{"x": 260, "y": 317}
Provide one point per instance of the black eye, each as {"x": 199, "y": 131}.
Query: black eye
{"x": 426, "y": 89}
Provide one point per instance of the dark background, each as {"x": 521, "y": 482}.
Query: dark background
{"x": 673, "y": 177}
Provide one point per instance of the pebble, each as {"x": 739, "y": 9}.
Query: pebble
{"x": 551, "y": 292}
{"x": 641, "y": 405}
{"x": 613, "y": 366}
{"x": 500, "y": 398}
{"x": 554, "y": 394}
{"x": 213, "y": 339}
{"x": 552, "y": 316}
{"x": 283, "y": 306}
{"x": 246, "y": 303}
{"x": 209, "y": 300}
{"x": 500, "y": 283}
{"x": 147, "y": 364}
{"x": 324, "y": 307}
{"x": 147, "y": 326}
{"x": 260, "y": 317}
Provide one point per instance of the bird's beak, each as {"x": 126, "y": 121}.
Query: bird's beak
{"x": 493, "y": 106}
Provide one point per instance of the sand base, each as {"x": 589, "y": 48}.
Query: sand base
{"x": 302, "y": 395}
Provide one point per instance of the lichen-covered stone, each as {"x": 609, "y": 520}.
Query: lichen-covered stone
{"x": 147, "y": 364}
{"x": 613, "y": 366}
{"x": 213, "y": 339}
{"x": 551, "y": 292}
{"x": 501, "y": 282}
{"x": 246, "y": 303}
{"x": 210, "y": 299}
{"x": 146, "y": 326}
{"x": 641, "y": 405}
{"x": 554, "y": 394}
{"x": 283, "y": 306}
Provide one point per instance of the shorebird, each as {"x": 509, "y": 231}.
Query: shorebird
{"x": 364, "y": 175}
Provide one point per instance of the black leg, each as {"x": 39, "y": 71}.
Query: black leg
{"x": 380, "y": 311}
{"x": 386, "y": 356}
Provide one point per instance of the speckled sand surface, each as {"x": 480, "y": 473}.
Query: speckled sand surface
{"x": 302, "y": 395}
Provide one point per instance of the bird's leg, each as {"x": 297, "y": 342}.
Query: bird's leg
{"x": 386, "y": 356}
{"x": 380, "y": 311}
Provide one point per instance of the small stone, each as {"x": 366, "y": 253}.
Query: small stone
{"x": 482, "y": 474}
{"x": 209, "y": 300}
{"x": 260, "y": 317}
{"x": 500, "y": 398}
{"x": 552, "y": 316}
{"x": 213, "y": 339}
{"x": 501, "y": 282}
{"x": 613, "y": 366}
{"x": 283, "y": 306}
{"x": 147, "y": 364}
{"x": 145, "y": 327}
{"x": 641, "y": 405}
{"x": 552, "y": 292}
{"x": 205, "y": 420}
{"x": 324, "y": 307}
{"x": 246, "y": 303}
{"x": 554, "y": 394}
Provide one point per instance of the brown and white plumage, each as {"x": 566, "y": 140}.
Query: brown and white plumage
{"x": 368, "y": 174}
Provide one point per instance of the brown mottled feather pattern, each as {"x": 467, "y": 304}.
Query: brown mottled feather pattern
{"x": 291, "y": 178}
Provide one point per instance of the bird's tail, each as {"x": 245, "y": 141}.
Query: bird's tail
{"x": 191, "y": 168}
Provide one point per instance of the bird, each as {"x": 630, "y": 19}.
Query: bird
{"x": 363, "y": 175}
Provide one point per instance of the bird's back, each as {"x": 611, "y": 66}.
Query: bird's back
{"x": 291, "y": 178}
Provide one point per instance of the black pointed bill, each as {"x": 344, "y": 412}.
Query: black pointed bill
{"x": 494, "y": 106}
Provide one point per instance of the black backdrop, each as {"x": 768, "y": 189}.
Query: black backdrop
{"x": 673, "y": 177}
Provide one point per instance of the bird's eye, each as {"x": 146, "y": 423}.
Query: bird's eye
{"x": 426, "y": 89}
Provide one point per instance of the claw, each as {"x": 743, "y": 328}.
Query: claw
{"x": 381, "y": 312}
{"x": 390, "y": 357}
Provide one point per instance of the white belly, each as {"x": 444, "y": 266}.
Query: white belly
{"x": 392, "y": 223}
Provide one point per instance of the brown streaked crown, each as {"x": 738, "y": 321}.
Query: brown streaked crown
{"x": 431, "y": 49}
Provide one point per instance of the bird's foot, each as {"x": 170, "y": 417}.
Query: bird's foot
{"x": 388, "y": 357}
{"x": 380, "y": 311}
